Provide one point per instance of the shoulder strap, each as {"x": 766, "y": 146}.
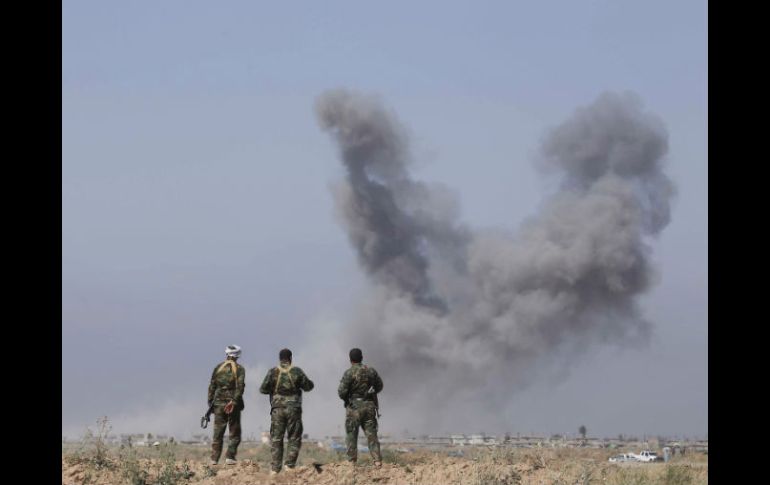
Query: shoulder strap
{"x": 233, "y": 368}
{"x": 281, "y": 371}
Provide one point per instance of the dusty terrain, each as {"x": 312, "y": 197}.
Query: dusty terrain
{"x": 181, "y": 464}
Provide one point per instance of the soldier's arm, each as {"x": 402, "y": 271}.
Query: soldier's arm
{"x": 212, "y": 386}
{"x": 241, "y": 383}
{"x": 377, "y": 381}
{"x": 344, "y": 388}
{"x": 267, "y": 387}
{"x": 305, "y": 383}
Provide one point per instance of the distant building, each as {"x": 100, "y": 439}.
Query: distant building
{"x": 143, "y": 439}
{"x": 439, "y": 440}
{"x": 459, "y": 440}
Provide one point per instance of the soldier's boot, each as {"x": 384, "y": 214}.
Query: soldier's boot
{"x": 230, "y": 461}
{"x": 288, "y": 468}
{"x": 212, "y": 462}
{"x": 378, "y": 464}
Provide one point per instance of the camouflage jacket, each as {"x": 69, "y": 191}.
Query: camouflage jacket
{"x": 222, "y": 379}
{"x": 357, "y": 380}
{"x": 285, "y": 384}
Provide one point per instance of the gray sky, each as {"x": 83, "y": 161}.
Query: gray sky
{"x": 196, "y": 209}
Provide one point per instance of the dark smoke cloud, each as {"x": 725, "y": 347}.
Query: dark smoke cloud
{"x": 392, "y": 220}
{"x": 468, "y": 314}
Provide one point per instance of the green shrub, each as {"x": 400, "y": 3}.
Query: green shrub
{"x": 168, "y": 473}
{"x": 131, "y": 469}
{"x": 93, "y": 450}
{"x": 391, "y": 456}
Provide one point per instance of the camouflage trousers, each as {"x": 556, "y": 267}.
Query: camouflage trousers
{"x": 285, "y": 421}
{"x": 363, "y": 415}
{"x": 222, "y": 421}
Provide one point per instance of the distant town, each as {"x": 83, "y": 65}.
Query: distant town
{"x": 450, "y": 442}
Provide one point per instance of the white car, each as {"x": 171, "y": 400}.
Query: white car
{"x": 647, "y": 456}
{"x": 621, "y": 458}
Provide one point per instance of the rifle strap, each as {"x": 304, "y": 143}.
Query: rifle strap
{"x": 281, "y": 371}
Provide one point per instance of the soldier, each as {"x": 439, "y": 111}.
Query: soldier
{"x": 285, "y": 384}
{"x": 226, "y": 393}
{"x": 358, "y": 388}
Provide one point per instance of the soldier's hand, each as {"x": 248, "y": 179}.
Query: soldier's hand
{"x": 229, "y": 407}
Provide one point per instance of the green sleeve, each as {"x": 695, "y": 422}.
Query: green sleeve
{"x": 241, "y": 380}
{"x": 212, "y": 385}
{"x": 267, "y": 383}
{"x": 344, "y": 388}
{"x": 305, "y": 383}
{"x": 377, "y": 381}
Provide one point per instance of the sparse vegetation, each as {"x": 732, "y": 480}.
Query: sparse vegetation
{"x": 132, "y": 471}
{"x": 391, "y": 456}
{"x": 630, "y": 476}
{"x": 208, "y": 471}
{"x": 168, "y": 473}
{"x": 94, "y": 462}
{"x": 93, "y": 450}
{"x": 677, "y": 475}
{"x": 486, "y": 476}
{"x": 92, "y": 459}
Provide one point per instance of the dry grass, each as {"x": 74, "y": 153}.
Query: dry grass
{"x": 92, "y": 462}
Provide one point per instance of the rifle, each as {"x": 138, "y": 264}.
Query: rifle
{"x": 207, "y": 417}
{"x": 375, "y": 400}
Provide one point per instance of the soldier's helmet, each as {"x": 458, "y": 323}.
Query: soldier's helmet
{"x": 233, "y": 351}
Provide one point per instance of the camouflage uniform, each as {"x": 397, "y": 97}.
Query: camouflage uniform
{"x": 223, "y": 381}
{"x": 360, "y": 410}
{"x": 285, "y": 384}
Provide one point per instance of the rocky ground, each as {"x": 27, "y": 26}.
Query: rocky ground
{"x": 176, "y": 466}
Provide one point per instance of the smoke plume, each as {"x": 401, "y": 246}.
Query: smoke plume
{"x": 471, "y": 315}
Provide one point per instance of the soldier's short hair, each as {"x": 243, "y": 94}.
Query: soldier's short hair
{"x": 284, "y": 354}
{"x": 356, "y": 355}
